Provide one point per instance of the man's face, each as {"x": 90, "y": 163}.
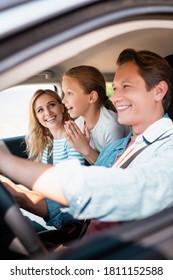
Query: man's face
{"x": 135, "y": 105}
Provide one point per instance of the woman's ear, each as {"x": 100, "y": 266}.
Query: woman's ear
{"x": 93, "y": 96}
{"x": 161, "y": 90}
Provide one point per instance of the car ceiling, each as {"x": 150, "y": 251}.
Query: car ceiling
{"x": 104, "y": 55}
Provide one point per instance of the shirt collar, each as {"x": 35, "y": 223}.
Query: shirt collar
{"x": 157, "y": 129}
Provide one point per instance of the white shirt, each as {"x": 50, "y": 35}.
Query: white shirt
{"x": 144, "y": 188}
{"x": 106, "y": 130}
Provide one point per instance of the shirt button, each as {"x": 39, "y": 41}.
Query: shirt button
{"x": 139, "y": 140}
{"x": 79, "y": 201}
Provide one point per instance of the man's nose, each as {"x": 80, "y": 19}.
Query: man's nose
{"x": 116, "y": 96}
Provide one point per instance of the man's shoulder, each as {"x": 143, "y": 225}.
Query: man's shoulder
{"x": 109, "y": 152}
{"x": 117, "y": 144}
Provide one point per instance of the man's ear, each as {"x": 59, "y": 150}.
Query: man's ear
{"x": 161, "y": 90}
{"x": 93, "y": 96}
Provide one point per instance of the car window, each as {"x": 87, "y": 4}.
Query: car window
{"x": 14, "y": 104}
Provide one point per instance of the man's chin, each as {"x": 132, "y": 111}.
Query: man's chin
{"x": 123, "y": 121}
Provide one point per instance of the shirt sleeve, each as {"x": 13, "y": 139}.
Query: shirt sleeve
{"x": 115, "y": 194}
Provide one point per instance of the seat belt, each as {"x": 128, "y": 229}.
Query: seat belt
{"x": 129, "y": 160}
{"x": 50, "y": 157}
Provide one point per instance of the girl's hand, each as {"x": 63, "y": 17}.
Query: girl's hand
{"x": 77, "y": 139}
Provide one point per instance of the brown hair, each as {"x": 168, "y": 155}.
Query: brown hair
{"x": 90, "y": 78}
{"x": 153, "y": 68}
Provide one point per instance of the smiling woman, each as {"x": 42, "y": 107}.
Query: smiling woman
{"x": 14, "y": 109}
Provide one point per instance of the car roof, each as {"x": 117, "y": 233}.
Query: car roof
{"x": 91, "y": 32}
{"x": 25, "y": 13}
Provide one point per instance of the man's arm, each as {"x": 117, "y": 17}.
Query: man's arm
{"x": 27, "y": 172}
{"x": 20, "y": 170}
{"x": 108, "y": 194}
{"x": 26, "y": 199}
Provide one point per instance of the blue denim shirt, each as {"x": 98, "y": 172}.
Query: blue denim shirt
{"x": 114, "y": 194}
{"x": 110, "y": 152}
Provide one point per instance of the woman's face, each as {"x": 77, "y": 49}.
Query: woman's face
{"x": 49, "y": 111}
{"x": 75, "y": 99}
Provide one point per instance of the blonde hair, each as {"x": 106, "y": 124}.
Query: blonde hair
{"x": 39, "y": 137}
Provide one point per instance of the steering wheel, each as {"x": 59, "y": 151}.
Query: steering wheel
{"x": 11, "y": 215}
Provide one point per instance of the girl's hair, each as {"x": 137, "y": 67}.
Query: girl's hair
{"x": 39, "y": 137}
{"x": 153, "y": 68}
{"x": 90, "y": 78}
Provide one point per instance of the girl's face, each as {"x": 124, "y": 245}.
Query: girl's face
{"x": 49, "y": 111}
{"x": 75, "y": 99}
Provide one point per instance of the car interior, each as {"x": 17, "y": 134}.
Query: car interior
{"x": 38, "y": 53}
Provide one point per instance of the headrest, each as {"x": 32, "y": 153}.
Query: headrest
{"x": 169, "y": 59}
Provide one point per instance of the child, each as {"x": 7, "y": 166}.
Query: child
{"x": 84, "y": 90}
